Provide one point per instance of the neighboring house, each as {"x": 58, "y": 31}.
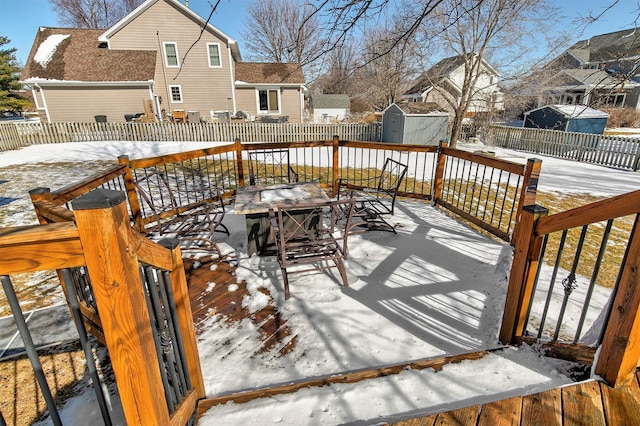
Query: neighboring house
{"x": 163, "y": 52}
{"x": 422, "y": 123}
{"x": 442, "y": 84}
{"x": 602, "y": 71}
{"x": 569, "y": 118}
{"x": 329, "y": 107}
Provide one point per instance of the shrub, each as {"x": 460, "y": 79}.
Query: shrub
{"x": 622, "y": 117}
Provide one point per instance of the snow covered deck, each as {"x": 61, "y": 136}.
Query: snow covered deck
{"x": 429, "y": 298}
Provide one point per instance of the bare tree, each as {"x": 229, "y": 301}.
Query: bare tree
{"x": 282, "y": 31}
{"x": 338, "y": 77}
{"x": 386, "y": 67}
{"x": 92, "y": 13}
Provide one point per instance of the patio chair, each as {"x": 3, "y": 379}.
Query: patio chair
{"x": 192, "y": 224}
{"x": 375, "y": 197}
{"x": 269, "y": 167}
{"x": 311, "y": 234}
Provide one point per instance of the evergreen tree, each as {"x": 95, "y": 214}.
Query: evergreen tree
{"x": 10, "y": 100}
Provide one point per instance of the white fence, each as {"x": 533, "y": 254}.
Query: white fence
{"x": 614, "y": 151}
{"x": 14, "y": 135}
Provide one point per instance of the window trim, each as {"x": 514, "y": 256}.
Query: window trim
{"x": 267, "y": 89}
{"x": 171, "y": 94}
{"x": 219, "y": 55}
{"x": 166, "y": 58}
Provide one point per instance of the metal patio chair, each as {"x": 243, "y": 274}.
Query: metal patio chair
{"x": 192, "y": 224}
{"x": 375, "y": 197}
{"x": 269, "y": 167}
{"x": 311, "y": 234}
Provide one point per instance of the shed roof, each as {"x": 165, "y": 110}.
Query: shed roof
{"x": 330, "y": 101}
{"x": 420, "y": 108}
{"x": 72, "y": 54}
{"x": 269, "y": 73}
{"x": 574, "y": 111}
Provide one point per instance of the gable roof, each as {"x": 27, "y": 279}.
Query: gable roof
{"x": 581, "y": 76}
{"x": 71, "y": 54}
{"x": 440, "y": 71}
{"x": 574, "y": 111}
{"x": 608, "y": 47}
{"x": 233, "y": 45}
{"x": 330, "y": 101}
{"x": 268, "y": 73}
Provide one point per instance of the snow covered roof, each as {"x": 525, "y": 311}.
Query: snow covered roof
{"x": 72, "y": 54}
{"x": 574, "y": 111}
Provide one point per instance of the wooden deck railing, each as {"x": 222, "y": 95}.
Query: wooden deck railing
{"x": 96, "y": 241}
{"x": 486, "y": 191}
{"x": 619, "y": 322}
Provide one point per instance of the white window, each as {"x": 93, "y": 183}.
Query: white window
{"x": 171, "y": 54}
{"x": 176, "y": 94}
{"x": 213, "y": 50}
{"x": 268, "y": 101}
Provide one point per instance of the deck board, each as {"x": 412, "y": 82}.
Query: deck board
{"x": 505, "y": 412}
{"x": 582, "y": 405}
{"x": 544, "y": 408}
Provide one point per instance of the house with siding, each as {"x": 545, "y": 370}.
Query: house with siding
{"x": 329, "y": 107}
{"x": 602, "y": 71}
{"x": 443, "y": 82}
{"x": 162, "y": 54}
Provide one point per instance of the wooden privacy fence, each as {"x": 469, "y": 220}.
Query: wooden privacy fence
{"x": 616, "y": 328}
{"x": 15, "y": 135}
{"x": 614, "y": 151}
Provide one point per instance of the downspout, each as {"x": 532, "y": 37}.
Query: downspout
{"x": 232, "y": 66}
{"x": 44, "y": 102}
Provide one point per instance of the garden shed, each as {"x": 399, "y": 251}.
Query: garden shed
{"x": 570, "y": 118}
{"x": 421, "y": 123}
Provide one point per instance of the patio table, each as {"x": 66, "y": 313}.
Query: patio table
{"x": 255, "y": 201}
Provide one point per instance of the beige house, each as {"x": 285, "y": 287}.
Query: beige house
{"x": 158, "y": 56}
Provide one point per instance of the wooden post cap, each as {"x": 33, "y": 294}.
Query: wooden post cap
{"x": 39, "y": 190}
{"x": 99, "y": 198}
{"x": 535, "y": 209}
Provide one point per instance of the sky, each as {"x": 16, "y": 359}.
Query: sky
{"x": 20, "y": 19}
{"x": 435, "y": 288}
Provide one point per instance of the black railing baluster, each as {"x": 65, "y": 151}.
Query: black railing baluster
{"x": 570, "y": 283}
{"x": 86, "y": 345}
{"x": 594, "y": 276}
{"x": 30, "y": 348}
{"x": 554, "y": 275}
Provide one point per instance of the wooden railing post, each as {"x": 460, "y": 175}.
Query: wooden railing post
{"x": 239, "y": 165}
{"x": 521, "y": 279}
{"x": 336, "y": 164}
{"x": 40, "y": 194}
{"x": 620, "y": 350}
{"x": 529, "y": 189}
{"x": 439, "y": 176}
{"x": 132, "y": 194}
{"x": 103, "y": 226}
